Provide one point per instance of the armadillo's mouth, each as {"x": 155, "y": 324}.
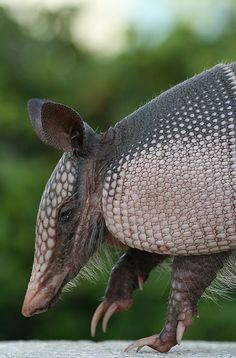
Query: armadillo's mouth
{"x": 39, "y": 301}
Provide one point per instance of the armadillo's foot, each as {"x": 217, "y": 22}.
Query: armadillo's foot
{"x": 164, "y": 341}
{"x": 130, "y": 273}
{"x": 106, "y": 309}
{"x": 190, "y": 276}
{"x": 154, "y": 342}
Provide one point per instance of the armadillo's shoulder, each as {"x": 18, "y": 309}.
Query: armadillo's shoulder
{"x": 171, "y": 187}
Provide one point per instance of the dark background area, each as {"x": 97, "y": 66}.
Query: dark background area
{"x": 103, "y": 89}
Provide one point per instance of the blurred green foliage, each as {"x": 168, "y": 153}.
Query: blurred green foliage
{"x": 49, "y": 64}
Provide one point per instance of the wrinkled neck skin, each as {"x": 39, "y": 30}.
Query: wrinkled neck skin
{"x": 92, "y": 225}
{"x": 91, "y": 231}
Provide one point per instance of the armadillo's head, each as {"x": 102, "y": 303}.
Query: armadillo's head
{"x": 69, "y": 224}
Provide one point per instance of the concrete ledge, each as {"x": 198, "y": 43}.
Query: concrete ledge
{"x": 110, "y": 349}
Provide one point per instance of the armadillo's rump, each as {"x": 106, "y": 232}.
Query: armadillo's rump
{"x": 171, "y": 187}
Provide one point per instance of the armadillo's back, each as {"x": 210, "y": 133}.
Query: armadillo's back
{"x": 171, "y": 185}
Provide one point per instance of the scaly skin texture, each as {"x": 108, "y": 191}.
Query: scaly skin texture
{"x": 190, "y": 277}
{"x": 130, "y": 273}
{"x": 170, "y": 187}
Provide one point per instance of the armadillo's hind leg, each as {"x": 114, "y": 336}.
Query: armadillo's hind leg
{"x": 130, "y": 272}
{"x": 190, "y": 277}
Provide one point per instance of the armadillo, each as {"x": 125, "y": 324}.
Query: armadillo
{"x": 161, "y": 183}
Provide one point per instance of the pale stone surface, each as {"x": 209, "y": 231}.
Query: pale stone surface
{"x": 111, "y": 349}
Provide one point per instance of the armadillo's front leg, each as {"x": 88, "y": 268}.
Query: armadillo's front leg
{"x": 190, "y": 277}
{"x": 130, "y": 272}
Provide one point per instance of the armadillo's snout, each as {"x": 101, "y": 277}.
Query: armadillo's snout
{"x": 35, "y": 302}
{"x": 40, "y": 299}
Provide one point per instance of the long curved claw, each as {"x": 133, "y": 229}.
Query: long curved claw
{"x": 107, "y": 309}
{"x": 96, "y": 317}
{"x": 110, "y": 311}
{"x": 140, "y": 282}
{"x": 139, "y": 349}
{"x": 147, "y": 341}
{"x": 180, "y": 331}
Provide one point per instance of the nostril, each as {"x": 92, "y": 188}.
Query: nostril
{"x": 27, "y": 304}
{"x": 25, "y": 311}
{"x": 30, "y": 311}
{"x": 34, "y": 306}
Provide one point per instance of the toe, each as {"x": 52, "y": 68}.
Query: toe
{"x": 96, "y": 317}
{"x": 110, "y": 311}
{"x": 180, "y": 331}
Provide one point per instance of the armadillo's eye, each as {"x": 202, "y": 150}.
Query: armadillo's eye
{"x": 65, "y": 214}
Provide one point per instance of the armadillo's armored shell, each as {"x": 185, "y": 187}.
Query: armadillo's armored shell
{"x": 171, "y": 186}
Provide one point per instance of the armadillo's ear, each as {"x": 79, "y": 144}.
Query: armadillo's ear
{"x": 58, "y": 125}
